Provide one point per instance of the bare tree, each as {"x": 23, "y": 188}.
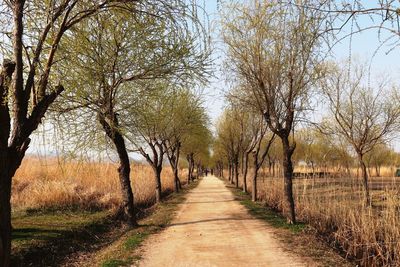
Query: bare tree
{"x": 362, "y": 115}
{"x": 274, "y": 49}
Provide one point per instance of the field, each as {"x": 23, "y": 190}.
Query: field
{"x": 50, "y": 184}
{"x": 336, "y": 209}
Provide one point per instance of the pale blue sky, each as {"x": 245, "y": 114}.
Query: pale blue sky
{"x": 363, "y": 46}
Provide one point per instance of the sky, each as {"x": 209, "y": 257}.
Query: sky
{"x": 363, "y": 46}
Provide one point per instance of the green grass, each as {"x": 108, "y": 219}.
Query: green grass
{"x": 45, "y": 238}
{"x": 134, "y": 241}
{"x": 114, "y": 263}
{"x": 261, "y": 211}
{"x": 276, "y": 220}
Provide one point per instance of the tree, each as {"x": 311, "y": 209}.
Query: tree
{"x": 27, "y": 88}
{"x": 229, "y": 134}
{"x": 187, "y": 115}
{"x": 251, "y": 130}
{"x": 147, "y": 124}
{"x": 116, "y": 61}
{"x": 274, "y": 50}
{"x": 196, "y": 146}
{"x": 259, "y": 134}
{"x": 364, "y": 117}
{"x": 380, "y": 155}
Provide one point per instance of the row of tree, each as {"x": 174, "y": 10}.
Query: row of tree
{"x": 116, "y": 69}
{"x": 278, "y": 63}
{"x": 315, "y": 152}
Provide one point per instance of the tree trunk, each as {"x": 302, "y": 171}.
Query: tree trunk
{"x": 246, "y": 166}
{"x": 232, "y": 173}
{"x": 7, "y": 170}
{"x": 178, "y": 185}
{"x": 5, "y": 219}
{"x": 124, "y": 169}
{"x": 378, "y": 171}
{"x": 157, "y": 177}
{"x": 189, "y": 177}
{"x": 229, "y": 172}
{"x": 288, "y": 175}
{"x": 173, "y": 157}
{"x": 254, "y": 180}
{"x": 364, "y": 173}
{"x": 189, "y": 158}
{"x": 242, "y": 159}
{"x": 10, "y": 160}
{"x": 236, "y": 165}
{"x": 128, "y": 206}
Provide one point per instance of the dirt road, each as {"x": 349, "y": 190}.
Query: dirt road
{"x": 212, "y": 229}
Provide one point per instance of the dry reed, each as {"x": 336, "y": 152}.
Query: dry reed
{"x": 42, "y": 183}
{"x": 336, "y": 208}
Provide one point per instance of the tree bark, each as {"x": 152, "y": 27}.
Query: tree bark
{"x": 157, "y": 177}
{"x": 229, "y": 172}
{"x": 124, "y": 170}
{"x": 288, "y": 176}
{"x": 364, "y": 173}
{"x": 173, "y": 153}
{"x": 236, "y": 166}
{"x": 189, "y": 177}
{"x": 7, "y": 170}
{"x": 254, "y": 179}
{"x": 178, "y": 185}
{"x": 246, "y": 166}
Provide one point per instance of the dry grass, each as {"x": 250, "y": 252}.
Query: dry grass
{"x": 49, "y": 184}
{"x": 335, "y": 208}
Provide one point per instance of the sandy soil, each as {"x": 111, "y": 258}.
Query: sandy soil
{"x": 212, "y": 229}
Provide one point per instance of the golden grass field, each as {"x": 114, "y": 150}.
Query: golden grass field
{"x": 42, "y": 183}
{"x": 335, "y": 207}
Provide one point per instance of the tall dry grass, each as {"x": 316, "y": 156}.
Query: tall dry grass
{"x": 336, "y": 208}
{"x": 384, "y": 171}
{"x": 42, "y": 183}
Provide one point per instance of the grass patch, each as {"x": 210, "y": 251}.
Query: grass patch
{"x": 45, "y": 238}
{"x": 134, "y": 241}
{"x": 263, "y": 212}
{"x": 114, "y": 263}
{"x": 275, "y": 219}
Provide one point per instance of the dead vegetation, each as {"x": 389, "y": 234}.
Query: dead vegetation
{"x": 49, "y": 184}
{"x": 335, "y": 208}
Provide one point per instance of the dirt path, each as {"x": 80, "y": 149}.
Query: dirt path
{"x": 212, "y": 229}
